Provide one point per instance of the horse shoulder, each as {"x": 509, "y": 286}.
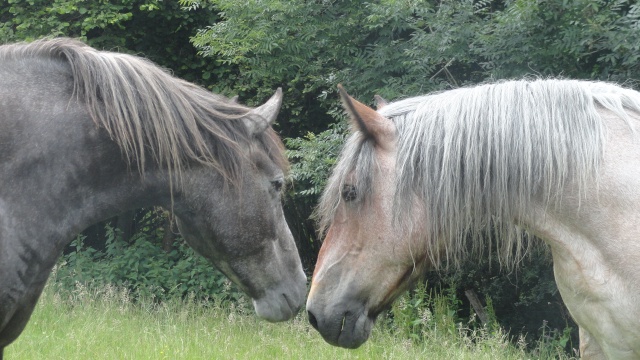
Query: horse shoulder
{"x": 594, "y": 235}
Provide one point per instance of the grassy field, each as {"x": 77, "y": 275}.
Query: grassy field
{"x": 110, "y": 326}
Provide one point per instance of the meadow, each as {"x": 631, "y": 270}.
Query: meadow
{"x": 111, "y": 324}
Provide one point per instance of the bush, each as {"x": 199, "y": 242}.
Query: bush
{"x": 434, "y": 315}
{"x": 312, "y": 158}
{"x": 144, "y": 269}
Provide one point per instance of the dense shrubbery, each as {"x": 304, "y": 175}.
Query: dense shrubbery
{"x": 312, "y": 158}
{"x": 432, "y": 314}
{"x": 158, "y": 30}
{"x": 143, "y": 268}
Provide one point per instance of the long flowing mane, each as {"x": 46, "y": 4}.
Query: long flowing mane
{"x": 148, "y": 112}
{"x": 476, "y": 158}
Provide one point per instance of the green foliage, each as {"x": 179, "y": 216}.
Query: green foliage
{"x": 142, "y": 27}
{"x": 399, "y": 48}
{"x": 577, "y": 39}
{"x": 144, "y": 269}
{"x": 309, "y": 47}
{"x": 427, "y": 315}
{"x": 313, "y": 157}
{"x": 31, "y": 19}
{"x": 552, "y": 343}
{"x": 518, "y": 301}
{"x": 417, "y": 313}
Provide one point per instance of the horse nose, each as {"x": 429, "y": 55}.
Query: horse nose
{"x": 312, "y": 320}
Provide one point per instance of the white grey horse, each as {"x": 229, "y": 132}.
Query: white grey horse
{"x": 420, "y": 181}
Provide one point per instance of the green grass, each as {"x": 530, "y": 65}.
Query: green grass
{"x": 108, "y": 325}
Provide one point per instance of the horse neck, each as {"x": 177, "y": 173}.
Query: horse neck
{"x": 62, "y": 178}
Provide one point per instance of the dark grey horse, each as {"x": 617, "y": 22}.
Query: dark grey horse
{"x": 85, "y": 135}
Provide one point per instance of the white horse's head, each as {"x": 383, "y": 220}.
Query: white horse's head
{"x": 366, "y": 260}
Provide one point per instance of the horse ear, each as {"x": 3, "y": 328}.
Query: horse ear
{"x": 262, "y": 117}
{"x": 380, "y": 102}
{"x": 367, "y": 120}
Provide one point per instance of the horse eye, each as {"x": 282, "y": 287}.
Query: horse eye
{"x": 277, "y": 184}
{"x": 349, "y": 192}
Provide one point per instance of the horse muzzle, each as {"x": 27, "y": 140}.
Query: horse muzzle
{"x": 282, "y": 302}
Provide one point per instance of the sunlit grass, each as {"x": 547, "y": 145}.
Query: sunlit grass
{"x": 108, "y": 325}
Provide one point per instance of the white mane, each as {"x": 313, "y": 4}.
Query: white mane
{"x": 476, "y": 157}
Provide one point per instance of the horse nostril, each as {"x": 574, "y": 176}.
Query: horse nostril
{"x": 312, "y": 320}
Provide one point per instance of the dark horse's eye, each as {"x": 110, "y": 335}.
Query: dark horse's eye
{"x": 349, "y": 192}
{"x": 277, "y": 184}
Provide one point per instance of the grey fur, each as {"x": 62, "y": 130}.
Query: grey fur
{"x": 78, "y": 128}
{"x": 150, "y": 111}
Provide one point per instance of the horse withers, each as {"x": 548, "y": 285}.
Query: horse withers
{"x": 421, "y": 180}
{"x": 86, "y": 135}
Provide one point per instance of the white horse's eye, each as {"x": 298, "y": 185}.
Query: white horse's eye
{"x": 349, "y": 193}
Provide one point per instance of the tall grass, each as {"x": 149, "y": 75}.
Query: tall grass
{"x": 429, "y": 317}
{"x": 108, "y": 323}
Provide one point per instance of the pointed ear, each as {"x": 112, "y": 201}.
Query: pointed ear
{"x": 380, "y": 102}
{"x": 260, "y": 118}
{"x": 367, "y": 120}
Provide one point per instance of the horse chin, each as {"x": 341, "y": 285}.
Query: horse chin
{"x": 350, "y": 329}
{"x": 281, "y": 303}
{"x": 274, "y": 310}
{"x": 355, "y": 331}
